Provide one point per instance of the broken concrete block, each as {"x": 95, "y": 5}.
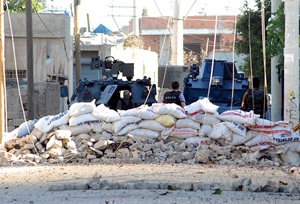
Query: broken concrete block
{"x": 55, "y": 152}
{"x": 254, "y": 188}
{"x": 84, "y": 136}
{"x": 29, "y": 157}
{"x": 270, "y": 186}
{"x": 37, "y": 133}
{"x": 147, "y": 147}
{"x": 27, "y": 146}
{"x": 71, "y": 145}
{"x": 43, "y": 138}
{"x": 91, "y": 156}
{"x": 88, "y": 143}
{"x": 101, "y": 145}
{"x": 30, "y": 139}
{"x": 53, "y": 143}
{"x": 39, "y": 146}
{"x": 134, "y": 146}
{"x": 202, "y": 156}
{"x": 82, "y": 148}
{"x": 63, "y": 134}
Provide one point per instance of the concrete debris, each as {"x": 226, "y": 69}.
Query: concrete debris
{"x": 231, "y": 138}
{"x": 244, "y": 184}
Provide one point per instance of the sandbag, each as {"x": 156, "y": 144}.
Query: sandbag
{"x": 24, "y": 129}
{"x": 166, "y": 132}
{"x": 80, "y": 108}
{"x": 166, "y": 120}
{"x": 44, "y": 124}
{"x": 220, "y": 131}
{"x": 169, "y": 109}
{"x": 205, "y": 130}
{"x": 104, "y": 113}
{"x": 151, "y": 125}
{"x": 47, "y": 123}
{"x": 77, "y": 130}
{"x": 291, "y": 136}
{"x": 125, "y": 120}
{"x": 207, "y": 118}
{"x": 187, "y": 123}
{"x": 292, "y": 146}
{"x": 183, "y": 133}
{"x": 236, "y": 128}
{"x": 144, "y": 133}
{"x": 237, "y": 139}
{"x": 259, "y": 140}
{"x": 146, "y": 113}
{"x": 127, "y": 129}
{"x": 201, "y": 106}
{"x": 239, "y": 116}
{"x": 83, "y": 118}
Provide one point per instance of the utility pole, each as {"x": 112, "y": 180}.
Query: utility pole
{"x": 136, "y": 29}
{"x": 291, "y": 62}
{"x": 77, "y": 41}
{"x": 2, "y": 77}
{"x": 30, "y": 88}
{"x": 275, "y": 80}
{"x": 177, "y": 42}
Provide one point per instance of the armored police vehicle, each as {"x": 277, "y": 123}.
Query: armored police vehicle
{"x": 219, "y": 81}
{"x": 108, "y": 90}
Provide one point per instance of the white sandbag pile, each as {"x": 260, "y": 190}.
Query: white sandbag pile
{"x": 158, "y": 133}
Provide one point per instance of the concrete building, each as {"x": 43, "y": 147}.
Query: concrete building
{"x": 199, "y": 34}
{"x": 52, "y": 59}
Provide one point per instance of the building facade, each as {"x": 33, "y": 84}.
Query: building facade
{"x": 200, "y": 33}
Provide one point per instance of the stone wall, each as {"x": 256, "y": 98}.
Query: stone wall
{"x": 46, "y": 98}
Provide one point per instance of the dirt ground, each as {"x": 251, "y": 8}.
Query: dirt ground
{"x": 40, "y": 184}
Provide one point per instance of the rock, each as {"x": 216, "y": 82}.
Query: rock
{"x": 270, "y": 186}
{"x": 53, "y": 143}
{"x": 101, "y": 145}
{"x": 202, "y": 156}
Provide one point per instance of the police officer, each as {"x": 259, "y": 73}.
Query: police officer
{"x": 260, "y": 101}
{"x": 174, "y": 96}
{"x": 125, "y": 103}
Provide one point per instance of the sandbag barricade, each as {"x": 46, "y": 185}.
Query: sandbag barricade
{"x": 155, "y": 133}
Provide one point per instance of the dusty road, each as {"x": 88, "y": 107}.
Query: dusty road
{"x": 55, "y": 184}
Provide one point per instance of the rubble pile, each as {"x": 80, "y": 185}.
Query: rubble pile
{"x": 161, "y": 133}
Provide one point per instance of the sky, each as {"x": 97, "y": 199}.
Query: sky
{"x": 116, "y": 13}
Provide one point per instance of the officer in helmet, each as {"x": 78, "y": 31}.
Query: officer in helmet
{"x": 125, "y": 103}
{"x": 174, "y": 96}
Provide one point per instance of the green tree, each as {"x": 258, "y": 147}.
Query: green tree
{"x": 20, "y": 6}
{"x": 276, "y": 32}
{"x": 249, "y": 28}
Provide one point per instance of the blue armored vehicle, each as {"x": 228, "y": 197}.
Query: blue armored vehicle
{"x": 108, "y": 90}
{"x": 217, "y": 80}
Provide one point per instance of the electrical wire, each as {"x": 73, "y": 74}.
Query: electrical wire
{"x": 264, "y": 51}
{"x": 213, "y": 57}
{"x": 166, "y": 67}
{"x": 250, "y": 54}
{"x": 64, "y": 44}
{"x": 233, "y": 77}
{"x": 16, "y": 68}
{"x": 189, "y": 10}
{"x": 166, "y": 24}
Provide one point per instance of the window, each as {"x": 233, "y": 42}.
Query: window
{"x": 11, "y": 74}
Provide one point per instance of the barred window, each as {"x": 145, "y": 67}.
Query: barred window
{"x": 11, "y": 74}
